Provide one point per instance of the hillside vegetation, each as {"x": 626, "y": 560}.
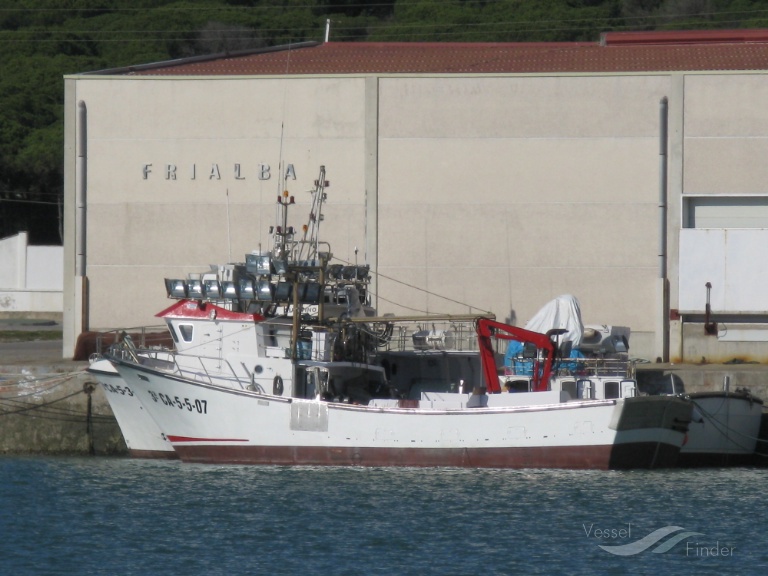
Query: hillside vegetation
{"x": 43, "y": 40}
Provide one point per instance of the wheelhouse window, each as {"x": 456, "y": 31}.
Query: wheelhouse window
{"x": 186, "y": 331}
{"x": 570, "y": 387}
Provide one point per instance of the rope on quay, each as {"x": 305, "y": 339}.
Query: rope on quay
{"x": 36, "y": 385}
{"x": 42, "y": 411}
{"x": 23, "y": 378}
{"x": 29, "y": 407}
{"x": 17, "y": 406}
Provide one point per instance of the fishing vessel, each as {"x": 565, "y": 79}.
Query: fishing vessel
{"x": 345, "y": 412}
{"x": 281, "y": 360}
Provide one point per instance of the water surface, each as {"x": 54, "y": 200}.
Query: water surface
{"x": 85, "y": 516}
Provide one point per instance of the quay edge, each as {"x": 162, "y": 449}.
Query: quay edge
{"x": 44, "y": 405}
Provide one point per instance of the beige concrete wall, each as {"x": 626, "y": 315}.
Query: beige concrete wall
{"x": 511, "y": 191}
{"x": 496, "y": 192}
{"x": 141, "y": 230}
{"x": 726, "y": 134}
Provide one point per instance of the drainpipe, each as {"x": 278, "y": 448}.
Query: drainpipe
{"x": 80, "y": 216}
{"x": 710, "y": 328}
{"x": 662, "y": 324}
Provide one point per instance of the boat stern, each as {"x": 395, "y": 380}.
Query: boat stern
{"x": 650, "y": 431}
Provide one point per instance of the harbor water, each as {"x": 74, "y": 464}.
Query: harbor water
{"x": 120, "y": 516}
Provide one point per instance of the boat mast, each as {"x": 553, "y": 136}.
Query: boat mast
{"x": 310, "y": 240}
{"x": 307, "y": 257}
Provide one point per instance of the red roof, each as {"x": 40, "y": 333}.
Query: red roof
{"x": 617, "y": 52}
{"x": 194, "y": 310}
{"x": 684, "y": 37}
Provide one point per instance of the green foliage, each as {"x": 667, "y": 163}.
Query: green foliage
{"x": 29, "y": 335}
{"x": 42, "y": 40}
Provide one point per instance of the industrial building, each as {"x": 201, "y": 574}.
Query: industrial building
{"x": 494, "y": 177}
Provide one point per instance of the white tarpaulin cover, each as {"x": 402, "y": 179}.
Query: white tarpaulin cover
{"x": 562, "y": 312}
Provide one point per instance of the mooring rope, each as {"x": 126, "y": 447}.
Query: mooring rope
{"x": 727, "y": 431}
{"x": 15, "y": 405}
{"x": 54, "y": 380}
{"x": 37, "y": 406}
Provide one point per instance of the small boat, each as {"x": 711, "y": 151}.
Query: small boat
{"x": 725, "y": 424}
{"x": 142, "y": 435}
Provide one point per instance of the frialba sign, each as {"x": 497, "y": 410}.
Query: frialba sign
{"x": 212, "y": 171}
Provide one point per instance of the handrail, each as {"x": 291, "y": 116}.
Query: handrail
{"x": 117, "y": 334}
{"x": 136, "y": 355}
{"x": 190, "y": 373}
{"x": 596, "y": 366}
{"x": 447, "y": 334}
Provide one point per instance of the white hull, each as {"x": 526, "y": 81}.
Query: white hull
{"x": 142, "y": 436}
{"x": 724, "y": 430}
{"x": 206, "y": 423}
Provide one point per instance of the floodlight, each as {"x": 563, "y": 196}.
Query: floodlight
{"x": 309, "y": 293}
{"x": 195, "y": 289}
{"x": 176, "y": 288}
{"x": 258, "y": 263}
{"x": 283, "y": 292}
{"x": 362, "y": 272}
{"x": 281, "y": 266}
{"x": 229, "y": 290}
{"x": 264, "y": 291}
{"x": 212, "y": 289}
{"x": 245, "y": 289}
{"x": 349, "y": 272}
{"x": 334, "y": 271}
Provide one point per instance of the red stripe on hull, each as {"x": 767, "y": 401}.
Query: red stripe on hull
{"x": 621, "y": 456}
{"x": 193, "y": 439}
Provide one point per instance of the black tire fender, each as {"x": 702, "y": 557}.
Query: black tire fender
{"x": 277, "y": 386}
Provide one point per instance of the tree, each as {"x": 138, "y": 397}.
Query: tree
{"x": 41, "y": 43}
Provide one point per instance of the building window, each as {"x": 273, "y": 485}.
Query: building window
{"x": 725, "y": 211}
{"x": 721, "y": 259}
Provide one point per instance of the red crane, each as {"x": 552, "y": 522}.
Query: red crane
{"x": 542, "y": 364}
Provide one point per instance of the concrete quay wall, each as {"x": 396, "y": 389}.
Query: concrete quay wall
{"x": 710, "y": 377}
{"x": 44, "y": 410}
